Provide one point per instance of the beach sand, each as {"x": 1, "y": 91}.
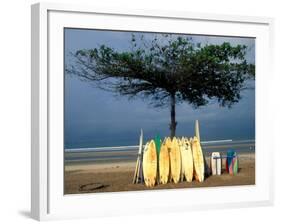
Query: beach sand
{"x": 118, "y": 176}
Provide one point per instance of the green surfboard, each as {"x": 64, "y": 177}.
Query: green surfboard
{"x": 157, "y": 141}
{"x": 235, "y": 165}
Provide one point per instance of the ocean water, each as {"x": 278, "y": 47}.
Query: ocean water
{"x": 101, "y": 155}
{"x": 132, "y": 138}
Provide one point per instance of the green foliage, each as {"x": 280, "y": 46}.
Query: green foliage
{"x": 164, "y": 67}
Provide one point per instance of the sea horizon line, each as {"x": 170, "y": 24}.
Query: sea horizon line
{"x": 126, "y": 147}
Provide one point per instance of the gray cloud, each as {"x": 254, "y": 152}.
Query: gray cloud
{"x": 96, "y": 118}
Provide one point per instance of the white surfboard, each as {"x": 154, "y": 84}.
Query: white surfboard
{"x": 216, "y": 163}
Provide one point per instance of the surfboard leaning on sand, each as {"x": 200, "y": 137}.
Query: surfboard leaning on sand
{"x": 198, "y": 160}
{"x": 150, "y": 164}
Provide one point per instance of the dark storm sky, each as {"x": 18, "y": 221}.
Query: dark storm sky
{"x": 94, "y": 117}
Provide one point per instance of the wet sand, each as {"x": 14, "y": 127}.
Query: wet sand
{"x": 118, "y": 176}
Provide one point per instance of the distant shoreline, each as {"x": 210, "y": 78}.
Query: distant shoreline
{"x": 130, "y": 155}
{"x": 132, "y": 146}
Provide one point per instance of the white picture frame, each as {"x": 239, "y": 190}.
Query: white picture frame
{"x": 48, "y": 201}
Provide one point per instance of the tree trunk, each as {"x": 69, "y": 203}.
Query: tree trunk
{"x": 173, "y": 116}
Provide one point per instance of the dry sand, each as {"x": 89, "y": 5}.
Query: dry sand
{"x": 114, "y": 177}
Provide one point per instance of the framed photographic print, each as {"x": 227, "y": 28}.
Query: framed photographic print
{"x": 148, "y": 106}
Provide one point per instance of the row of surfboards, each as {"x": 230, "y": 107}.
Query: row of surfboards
{"x": 172, "y": 160}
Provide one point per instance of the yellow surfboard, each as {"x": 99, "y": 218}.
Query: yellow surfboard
{"x": 198, "y": 160}
{"x": 164, "y": 163}
{"x": 150, "y": 164}
{"x": 175, "y": 160}
{"x": 186, "y": 160}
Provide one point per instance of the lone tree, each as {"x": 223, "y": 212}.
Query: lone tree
{"x": 168, "y": 70}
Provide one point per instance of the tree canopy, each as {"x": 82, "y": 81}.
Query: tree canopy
{"x": 168, "y": 70}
